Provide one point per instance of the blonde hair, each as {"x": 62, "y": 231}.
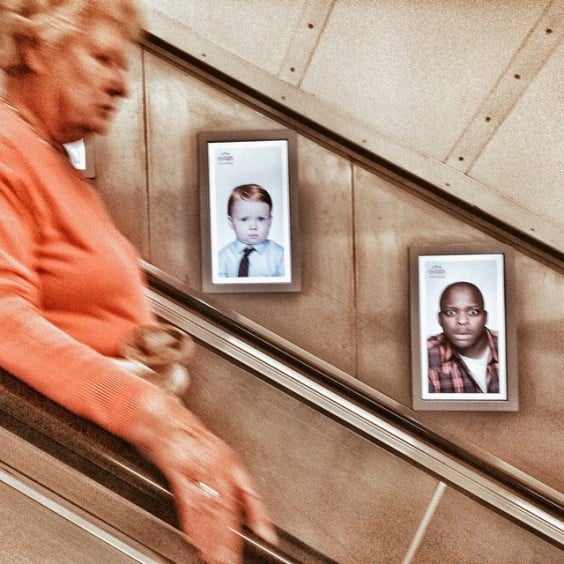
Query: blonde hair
{"x": 51, "y": 21}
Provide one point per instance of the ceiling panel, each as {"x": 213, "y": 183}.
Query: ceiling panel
{"x": 417, "y": 71}
{"x": 525, "y": 158}
{"x": 257, "y": 31}
{"x": 421, "y": 84}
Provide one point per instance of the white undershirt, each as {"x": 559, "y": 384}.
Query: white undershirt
{"x": 478, "y": 368}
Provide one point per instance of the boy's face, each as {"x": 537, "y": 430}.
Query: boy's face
{"x": 463, "y": 320}
{"x": 251, "y": 221}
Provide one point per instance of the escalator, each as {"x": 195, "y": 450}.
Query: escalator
{"x": 72, "y": 492}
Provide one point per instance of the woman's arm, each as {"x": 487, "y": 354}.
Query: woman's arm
{"x": 213, "y": 492}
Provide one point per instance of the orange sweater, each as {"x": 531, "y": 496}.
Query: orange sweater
{"x": 70, "y": 284}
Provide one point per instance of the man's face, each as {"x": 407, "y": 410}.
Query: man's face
{"x": 85, "y": 78}
{"x": 251, "y": 221}
{"x": 463, "y": 320}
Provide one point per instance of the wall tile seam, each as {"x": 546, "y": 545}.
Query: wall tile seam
{"x": 145, "y": 110}
{"x": 355, "y": 268}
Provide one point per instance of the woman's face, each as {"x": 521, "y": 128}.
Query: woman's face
{"x": 83, "y": 81}
{"x": 251, "y": 221}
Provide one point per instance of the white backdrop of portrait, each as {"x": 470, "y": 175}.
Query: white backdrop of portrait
{"x": 487, "y": 273}
{"x": 249, "y": 162}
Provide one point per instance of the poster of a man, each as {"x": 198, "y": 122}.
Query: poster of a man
{"x": 460, "y": 330}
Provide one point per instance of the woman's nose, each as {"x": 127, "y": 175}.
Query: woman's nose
{"x": 118, "y": 83}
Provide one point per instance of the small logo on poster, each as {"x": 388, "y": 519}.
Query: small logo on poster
{"x": 225, "y": 158}
{"x": 436, "y": 271}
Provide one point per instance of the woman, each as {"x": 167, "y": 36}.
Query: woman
{"x": 70, "y": 286}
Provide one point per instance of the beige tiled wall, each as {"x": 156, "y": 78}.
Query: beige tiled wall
{"x": 350, "y": 499}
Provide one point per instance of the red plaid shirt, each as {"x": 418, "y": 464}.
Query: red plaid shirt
{"x": 449, "y": 374}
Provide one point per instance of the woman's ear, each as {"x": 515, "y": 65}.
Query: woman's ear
{"x": 35, "y": 55}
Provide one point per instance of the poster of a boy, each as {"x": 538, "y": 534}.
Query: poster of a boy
{"x": 252, "y": 253}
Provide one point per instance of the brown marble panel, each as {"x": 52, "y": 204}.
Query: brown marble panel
{"x": 346, "y": 497}
{"x": 388, "y": 220}
{"x": 463, "y": 531}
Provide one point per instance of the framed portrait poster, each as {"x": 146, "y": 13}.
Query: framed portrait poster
{"x": 249, "y": 211}
{"x": 463, "y": 340}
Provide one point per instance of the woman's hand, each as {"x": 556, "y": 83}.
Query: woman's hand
{"x": 213, "y": 492}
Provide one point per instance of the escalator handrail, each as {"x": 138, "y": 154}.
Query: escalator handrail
{"x": 398, "y": 415}
{"x": 84, "y": 445}
{"x": 116, "y": 465}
